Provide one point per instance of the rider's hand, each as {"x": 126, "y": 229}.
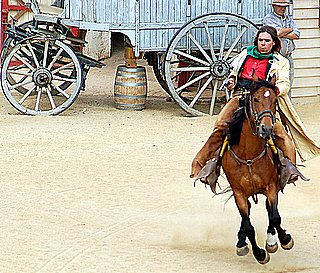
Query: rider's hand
{"x": 231, "y": 84}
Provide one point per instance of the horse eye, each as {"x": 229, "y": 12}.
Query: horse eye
{"x": 255, "y": 100}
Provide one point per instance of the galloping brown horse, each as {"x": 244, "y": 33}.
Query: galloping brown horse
{"x": 251, "y": 167}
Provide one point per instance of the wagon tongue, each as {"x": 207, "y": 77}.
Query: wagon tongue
{"x": 86, "y": 60}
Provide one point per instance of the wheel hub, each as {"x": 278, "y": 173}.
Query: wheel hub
{"x": 42, "y": 77}
{"x": 220, "y": 69}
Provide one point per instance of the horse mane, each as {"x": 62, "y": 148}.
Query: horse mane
{"x": 261, "y": 83}
{"x": 235, "y": 124}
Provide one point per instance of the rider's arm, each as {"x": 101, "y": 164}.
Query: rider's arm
{"x": 283, "y": 82}
{"x": 235, "y": 66}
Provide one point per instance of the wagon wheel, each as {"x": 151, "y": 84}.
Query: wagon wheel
{"x": 199, "y": 57}
{"x": 157, "y": 61}
{"x": 42, "y": 27}
{"x": 40, "y": 65}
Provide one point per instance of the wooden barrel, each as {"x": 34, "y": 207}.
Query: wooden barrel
{"x": 130, "y": 88}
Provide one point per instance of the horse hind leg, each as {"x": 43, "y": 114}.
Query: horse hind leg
{"x": 247, "y": 231}
{"x": 285, "y": 239}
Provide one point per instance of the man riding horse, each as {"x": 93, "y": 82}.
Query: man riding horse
{"x": 262, "y": 60}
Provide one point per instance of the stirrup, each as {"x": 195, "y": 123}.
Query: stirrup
{"x": 288, "y": 172}
{"x": 210, "y": 172}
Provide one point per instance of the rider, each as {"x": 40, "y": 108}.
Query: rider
{"x": 264, "y": 60}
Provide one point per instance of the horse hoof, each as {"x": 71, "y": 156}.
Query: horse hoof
{"x": 242, "y": 251}
{"x": 289, "y": 245}
{"x": 271, "y": 243}
{"x": 272, "y": 249}
{"x": 266, "y": 259}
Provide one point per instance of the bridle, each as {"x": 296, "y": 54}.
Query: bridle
{"x": 257, "y": 116}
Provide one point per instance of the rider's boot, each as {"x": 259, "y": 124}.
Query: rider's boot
{"x": 208, "y": 152}
{"x": 215, "y": 141}
{"x": 211, "y": 171}
{"x": 288, "y": 172}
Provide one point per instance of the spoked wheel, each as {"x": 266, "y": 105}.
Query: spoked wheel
{"x": 199, "y": 57}
{"x": 31, "y": 27}
{"x": 40, "y": 65}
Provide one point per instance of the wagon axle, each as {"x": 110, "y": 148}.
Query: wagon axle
{"x": 220, "y": 70}
{"x": 42, "y": 77}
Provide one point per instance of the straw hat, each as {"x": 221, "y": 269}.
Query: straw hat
{"x": 282, "y": 3}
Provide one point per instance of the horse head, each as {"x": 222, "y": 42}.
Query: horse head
{"x": 262, "y": 105}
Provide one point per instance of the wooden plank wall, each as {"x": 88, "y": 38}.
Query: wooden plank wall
{"x": 307, "y": 53}
{"x": 99, "y": 43}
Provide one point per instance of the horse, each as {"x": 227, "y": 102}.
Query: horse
{"x": 250, "y": 166}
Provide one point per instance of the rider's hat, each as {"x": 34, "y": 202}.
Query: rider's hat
{"x": 282, "y": 3}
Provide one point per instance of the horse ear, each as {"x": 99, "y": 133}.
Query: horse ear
{"x": 254, "y": 76}
{"x": 273, "y": 80}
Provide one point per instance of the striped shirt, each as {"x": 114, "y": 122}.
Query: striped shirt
{"x": 276, "y": 21}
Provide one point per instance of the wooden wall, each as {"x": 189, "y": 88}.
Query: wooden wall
{"x": 99, "y": 43}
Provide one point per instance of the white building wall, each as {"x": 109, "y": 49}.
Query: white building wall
{"x": 307, "y": 54}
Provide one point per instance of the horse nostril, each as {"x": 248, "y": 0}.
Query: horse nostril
{"x": 262, "y": 129}
{"x": 265, "y": 131}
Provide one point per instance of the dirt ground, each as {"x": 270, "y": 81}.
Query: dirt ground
{"x": 97, "y": 189}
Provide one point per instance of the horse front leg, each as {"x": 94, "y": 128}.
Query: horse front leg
{"x": 242, "y": 246}
{"x": 247, "y": 231}
{"x": 285, "y": 239}
{"x": 271, "y": 242}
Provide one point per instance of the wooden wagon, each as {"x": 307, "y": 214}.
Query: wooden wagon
{"x": 189, "y": 43}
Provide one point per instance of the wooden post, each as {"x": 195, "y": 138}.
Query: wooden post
{"x": 4, "y": 20}
{"x": 130, "y": 58}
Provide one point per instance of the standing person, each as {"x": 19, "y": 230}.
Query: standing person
{"x": 264, "y": 60}
{"x": 287, "y": 31}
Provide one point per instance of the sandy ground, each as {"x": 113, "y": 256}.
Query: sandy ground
{"x": 97, "y": 189}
